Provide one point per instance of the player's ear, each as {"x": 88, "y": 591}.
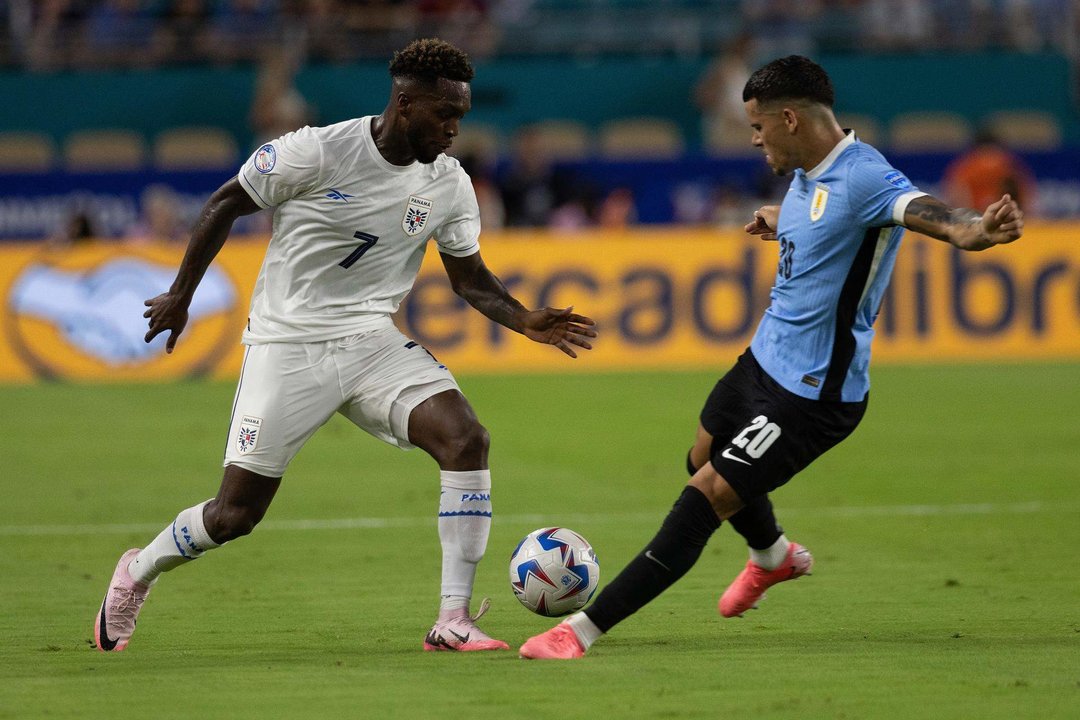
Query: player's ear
{"x": 404, "y": 103}
{"x": 791, "y": 120}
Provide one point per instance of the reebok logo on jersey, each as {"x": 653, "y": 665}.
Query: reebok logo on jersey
{"x": 336, "y": 194}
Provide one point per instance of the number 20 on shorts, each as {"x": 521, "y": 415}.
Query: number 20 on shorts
{"x": 757, "y": 437}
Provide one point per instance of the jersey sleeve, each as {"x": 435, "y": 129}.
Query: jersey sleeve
{"x": 878, "y": 193}
{"x": 282, "y": 169}
{"x": 459, "y": 235}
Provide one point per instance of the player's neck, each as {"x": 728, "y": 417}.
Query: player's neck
{"x": 391, "y": 145}
{"x": 824, "y": 138}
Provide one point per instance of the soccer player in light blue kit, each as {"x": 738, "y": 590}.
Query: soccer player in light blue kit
{"x": 802, "y": 386}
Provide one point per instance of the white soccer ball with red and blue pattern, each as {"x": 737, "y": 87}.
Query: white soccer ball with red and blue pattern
{"x": 554, "y": 571}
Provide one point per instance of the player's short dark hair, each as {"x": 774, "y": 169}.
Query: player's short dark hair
{"x": 430, "y": 59}
{"x": 791, "y": 78}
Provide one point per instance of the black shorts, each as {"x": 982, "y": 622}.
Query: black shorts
{"x": 764, "y": 434}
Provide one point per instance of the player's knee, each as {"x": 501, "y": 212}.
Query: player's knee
{"x": 468, "y": 445}
{"x": 225, "y": 522}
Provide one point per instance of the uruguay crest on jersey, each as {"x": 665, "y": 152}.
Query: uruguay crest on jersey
{"x": 416, "y": 215}
{"x": 817, "y": 205}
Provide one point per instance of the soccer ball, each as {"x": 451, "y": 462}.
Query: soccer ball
{"x": 554, "y": 571}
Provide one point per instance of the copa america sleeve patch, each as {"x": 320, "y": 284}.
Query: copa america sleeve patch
{"x": 265, "y": 158}
{"x": 897, "y": 179}
{"x": 248, "y": 438}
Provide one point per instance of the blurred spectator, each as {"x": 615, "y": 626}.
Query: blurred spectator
{"x": 718, "y": 95}
{"x": 482, "y": 174}
{"x": 78, "y": 225}
{"x": 463, "y": 22}
{"x": 118, "y": 32}
{"x": 897, "y": 25}
{"x": 987, "y": 170}
{"x": 618, "y": 209}
{"x": 317, "y": 27}
{"x": 44, "y": 33}
{"x": 183, "y": 33}
{"x": 528, "y": 182}
{"x": 536, "y": 192}
{"x": 241, "y": 30}
{"x": 49, "y": 34}
{"x": 160, "y": 220}
{"x": 277, "y": 106}
{"x": 782, "y": 27}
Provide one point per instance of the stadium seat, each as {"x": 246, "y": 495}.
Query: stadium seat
{"x": 641, "y": 137}
{"x": 26, "y": 152}
{"x": 1025, "y": 129}
{"x": 866, "y": 127}
{"x": 194, "y": 148}
{"x": 104, "y": 150}
{"x": 562, "y": 139}
{"x": 929, "y": 132}
{"x": 479, "y": 140}
{"x": 728, "y": 140}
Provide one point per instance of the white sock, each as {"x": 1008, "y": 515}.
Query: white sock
{"x": 183, "y": 541}
{"x": 451, "y": 606}
{"x": 464, "y": 523}
{"x": 586, "y": 631}
{"x": 771, "y": 557}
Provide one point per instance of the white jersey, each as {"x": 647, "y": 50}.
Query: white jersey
{"x": 350, "y": 230}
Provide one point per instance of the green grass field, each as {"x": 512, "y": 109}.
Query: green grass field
{"x": 945, "y": 533}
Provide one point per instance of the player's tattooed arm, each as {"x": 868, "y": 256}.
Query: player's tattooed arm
{"x": 967, "y": 229}
{"x": 563, "y": 328}
{"x": 169, "y": 311}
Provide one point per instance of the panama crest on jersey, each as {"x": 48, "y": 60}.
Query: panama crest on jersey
{"x": 248, "y": 436}
{"x": 817, "y": 205}
{"x": 416, "y": 215}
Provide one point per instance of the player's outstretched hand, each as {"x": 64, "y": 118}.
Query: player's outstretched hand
{"x": 561, "y": 328}
{"x": 1003, "y": 221}
{"x": 166, "y": 312}
{"x": 765, "y": 221}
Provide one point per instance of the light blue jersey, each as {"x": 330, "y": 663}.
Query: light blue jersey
{"x": 838, "y": 237}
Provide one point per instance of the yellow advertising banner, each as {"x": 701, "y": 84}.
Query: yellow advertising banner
{"x": 671, "y": 298}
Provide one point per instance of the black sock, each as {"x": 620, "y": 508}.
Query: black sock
{"x": 673, "y": 551}
{"x": 756, "y": 522}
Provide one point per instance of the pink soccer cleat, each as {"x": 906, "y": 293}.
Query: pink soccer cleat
{"x": 750, "y": 586}
{"x": 461, "y": 634}
{"x": 558, "y": 643}
{"x": 120, "y": 608}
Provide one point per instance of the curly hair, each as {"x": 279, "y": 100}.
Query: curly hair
{"x": 791, "y": 78}
{"x": 430, "y": 59}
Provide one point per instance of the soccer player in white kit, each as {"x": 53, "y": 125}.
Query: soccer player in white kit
{"x": 355, "y": 205}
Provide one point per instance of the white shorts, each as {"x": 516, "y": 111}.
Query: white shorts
{"x": 287, "y": 391}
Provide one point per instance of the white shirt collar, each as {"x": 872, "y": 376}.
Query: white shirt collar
{"x": 824, "y": 165}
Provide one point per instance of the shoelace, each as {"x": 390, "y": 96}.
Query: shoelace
{"x": 484, "y": 605}
{"x": 468, "y": 622}
{"x": 126, "y": 604}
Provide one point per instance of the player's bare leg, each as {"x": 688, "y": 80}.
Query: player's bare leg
{"x": 240, "y": 504}
{"x": 446, "y": 427}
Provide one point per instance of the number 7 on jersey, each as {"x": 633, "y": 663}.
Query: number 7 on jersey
{"x": 369, "y": 241}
